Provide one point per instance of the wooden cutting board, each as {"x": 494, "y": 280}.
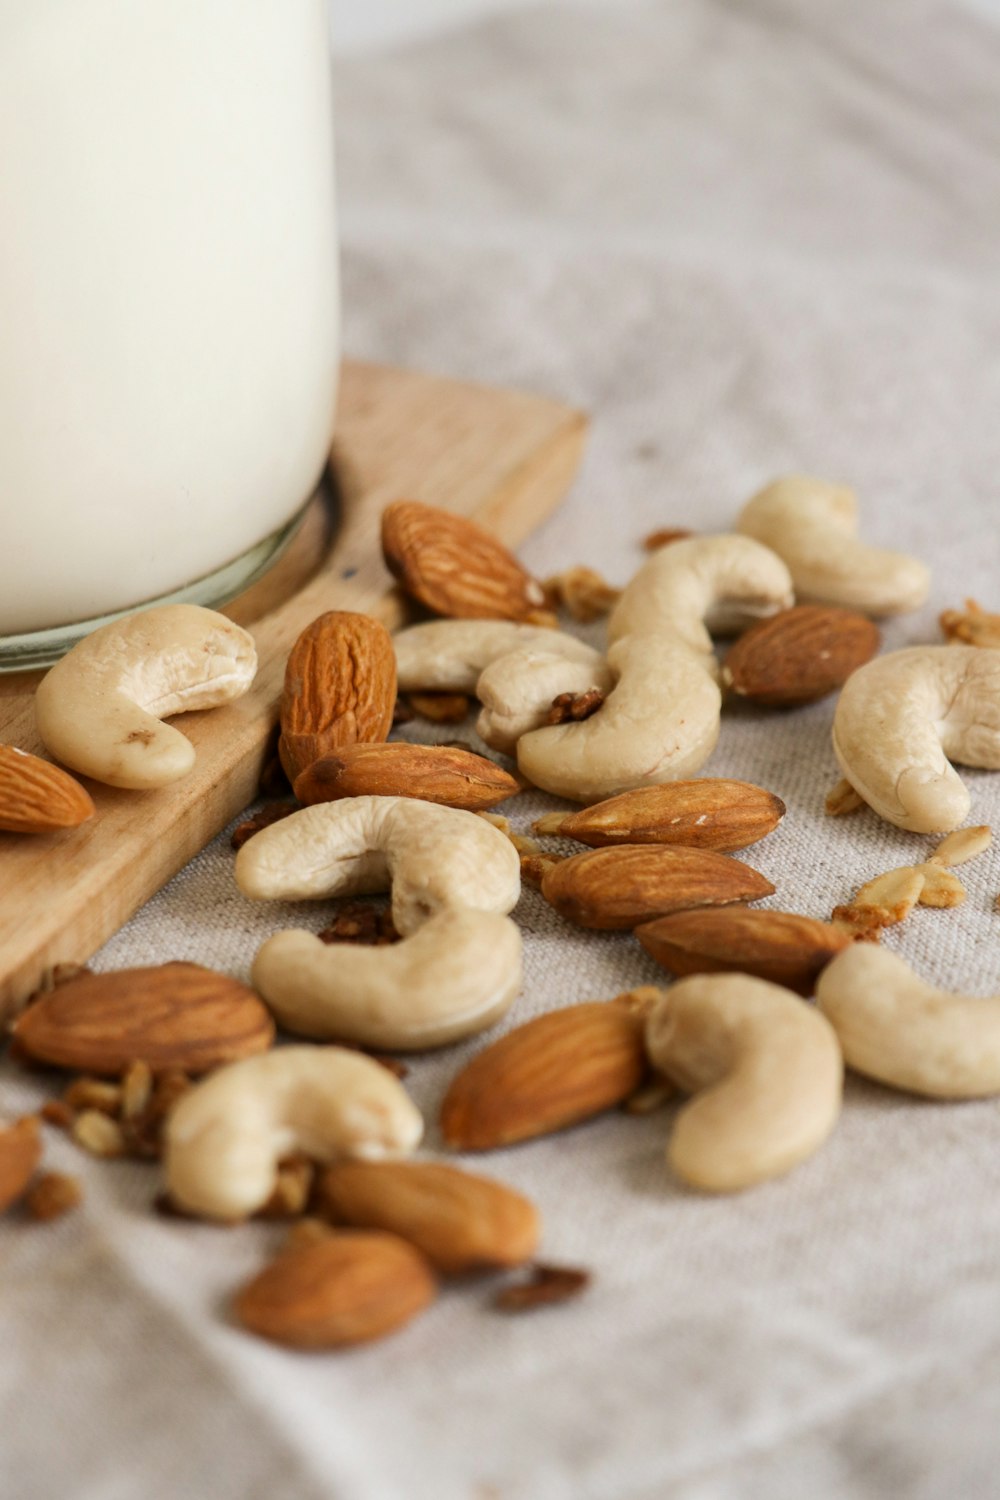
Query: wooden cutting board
{"x": 503, "y": 457}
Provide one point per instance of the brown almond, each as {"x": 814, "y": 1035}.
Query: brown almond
{"x": 711, "y": 813}
{"x": 612, "y": 889}
{"x": 341, "y": 1289}
{"x": 460, "y": 1221}
{"x": 340, "y": 688}
{"x": 454, "y": 567}
{"x": 53, "y": 1194}
{"x": 799, "y": 655}
{"x": 173, "y": 1016}
{"x": 20, "y": 1150}
{"x": 38, "y": 797}
{"x": 551, "y": 1072}
{"x": 780, "y": 946}
{"x": 434, "y": 773}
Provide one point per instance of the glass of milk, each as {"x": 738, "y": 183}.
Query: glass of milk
{"x": 169, "y": 329}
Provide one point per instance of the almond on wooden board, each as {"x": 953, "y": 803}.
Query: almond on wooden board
{"x": 340, "y": 688}
{"x": 434, "y": 773}
{"x": 173, "y": 1016}
{"x": 799, "y": 655}
{"x": 454, "y": 567}
{"x": 20, "y": 1150}
{"x": 617, "y": 888}
{"x": 38, "y": 797}
{"x": 710, "y": 813}
{"x": 784, "y": 947}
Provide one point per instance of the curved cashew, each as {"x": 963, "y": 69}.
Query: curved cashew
{"x": 659, "y": 723}
{"x": 448, "y": 655}
{"x": 225, "y": 1138}
{"x": 813, "y": 526}
{"x": 455, "y": 976}
{"x": 517, "y": 689}
{"x": 433, "y": 857}
{"x": 765, "y": 1067}
{"x": 721, "y": 582}
{"x": 902, "y": 717}
{"x": 896, "y": 1027}
{"x": 99, "y": 709}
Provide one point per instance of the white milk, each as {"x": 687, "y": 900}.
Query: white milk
{"x": 168, "y": 292}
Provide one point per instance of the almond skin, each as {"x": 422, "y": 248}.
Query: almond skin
{"x": 710, "y": 813}
{"x": 340, "y": 688}
{"x": 551, "y": 1072}
{"x": 454, "y": 567}
{"x": 799, "y": 655}
{"x": 176, "y": 1016}
{"x": 612, "y": 889}
{"x": 781, "y": 946}
{"x": 20, "y": 1150}
{"x": 434, "y": 773}
{"x": 461, "y": 1222}
{"x": 38, "y": 797}
{"x": 347, "y": 1288}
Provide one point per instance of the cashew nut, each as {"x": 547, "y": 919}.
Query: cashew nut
{"x": 433, "y": 857}
{"x": 765, "y": 1067}
{"x": 455, "y": 976}
{"x": 718, "y": 583}
{"x": 517, "y": 689}
{"x": 99, "y": 709}
{"x": 659, "y": 723}
{"x": 448, "y": 655}
{"x": 897, "y": 1028}
{"x": 902, "y": 717}
{"x": 813, "y": 526}
{"x": 225, "y": 1138}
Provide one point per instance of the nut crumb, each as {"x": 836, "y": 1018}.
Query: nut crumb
{"x": 292, "y": 1188}
{"x": 546, "y": 1286}
{"x": 973, "y": 626}
{"x": 357, "y": 922}
{"x": 440, "y": 708}
{"x": 842, "y": 800}
{"x": 98, "y": 1134}
{"x": 53, "y": 1194}
{"x": 941, "y": 888}
{"x": 663, "y": 538}
{"x": 649, "y": 1098}
{"x": 534, "y": 866}
{"x": 137, "y": 1090}
{"x": 307, "y": 1231}
{"x": 274, "y": 812}
{"x": 93, "y": 1093}
{"x": 962, "y": 845}
{"x": 884, "y": 901}
{"x": 574, "y": 707}
{"x": 583, "y": 593}
{"x": 58, "y": 1113}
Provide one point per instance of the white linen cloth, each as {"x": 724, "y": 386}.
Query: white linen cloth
{"x": 749, "y": 238}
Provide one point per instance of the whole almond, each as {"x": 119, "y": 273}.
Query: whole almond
{"x": 173, "y": 1016}
{"x": 340, "y": 688}
{"x": 799, "y": 655}
{"x": 711, "y": 813}
{"x": 346, "y": 1288}
{"x": 454, "y": 567}
{"x": 434, "y": 773}
{"x": 38, "y": 797}
{"x": 621, "y": 887}
{"x": 551, "y": 1072}
{"x": 460, "y": 1221}
{"x": 780, "y": 946}
{"x": 20, "y": 1149}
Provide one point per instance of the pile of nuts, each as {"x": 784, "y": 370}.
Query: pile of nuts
{"x": 178, "y": 1060}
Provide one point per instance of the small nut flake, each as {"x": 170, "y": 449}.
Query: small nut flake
{"x": 272, "y": 813}
{"x": 546, "y": 1286}
{"x": 665, "y": 537}
{"x": 582, "y": 593}
{"x": 573, "y": 708}
{"x": 842, "y": 800}
{"x": 98, "y": 1134}
{"x": 962, "y": 845}
{"x": 53, "y": 1194}
{"x": 440, "y": 708}
{"x": 884, "y": 901}
{"x": 973, "y": 626}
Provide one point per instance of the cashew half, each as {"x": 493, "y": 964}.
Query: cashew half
{"x": 813, "y": 526}
{"x": 99, "y": 709}
{"x": 517, "y": 690}
{"x": 448, "y": 655}
{"x": 433, "y": 857}
{"x": 659, "y": 723}
{"x": 902, "y": 717}
{"x": 455, "y": 976}
{"x": 225, "y": 1138}
{"x": 767, "y": 1072}
{"x": 722, "y": 583}
{"x": 896, "y": 1027}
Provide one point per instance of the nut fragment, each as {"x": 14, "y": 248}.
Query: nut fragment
{"x": 434, "y": 773}
{"x": 884, "y": 901}
{"x": 340, "y": 688}
{"x": 137, "y": 1089}
{"x": 582, "y": 592}
{"x": 53, "y": 1194}
{"x": 440, "y": 708}
{"x": 94, "y": 1093}
{"x": 572, "y": 707}
{"x": 842, "y": 800}
{"x": 292, "y": 1186}
{"x": 799, "y": 655}
{"x": 539, "y": 684}
{"x": 454, "y": 567}
{"x": 711, "y": 813}
{"x": 20, "y": 1150}
{"x": 357, "y": 922}
{"x": 620, "y": 887}
{"x": 973, "y": 627}
{"x": 98, "y": 1133}
{"x": 272, "y": 813}
{"x": 782, "y": 947}
{"x": 962, "y": 845}
{"x": 665, "y": 537}
{"x": 940, "y": 887}
{"x": 38, "y": 797}
{"x": 546, "y": 1286}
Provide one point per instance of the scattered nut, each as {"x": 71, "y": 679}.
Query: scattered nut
{"x": 973, "y": 627}
{"x": 136, "y": 1090}
{"x": 782, "y": 947}
{"x": 711, "y": 813}
{"x": 842, "y": 800}
{"x": 53, "y": 1194}
{"x": 582, "y": 592}
{"x": 340, "y": 687}
{"x": 799, "y": 655}
{"x": 534, "y": 868}
{"x": 546, "y": 1286}
{"x": 93, "y": 1093}
{"x": 454, "y": 567}
{"x": 450, "y": 655}
{"x": 962, "y": 845}
{"x": 434, "y": 773}
{"x": 618, "y": 888}
{"x": 884, "y": 901}
{"x": 940, "y": 887}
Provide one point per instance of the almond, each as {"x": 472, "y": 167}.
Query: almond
{"x": 38, "y": 797}
{"x": 551, "y": 1072}
{"x": 780, "y": 946}
{"x": 454, "y": 567}
{"x": 461, "y": 1222}
{"x": 434, "y": 773}
{"x": 341, "y": 1289}
{"x": 20, "y": 1149}
{"x": 619, "y": 888}
{"x": 340, "y": 688}
{"x": 799, "y": 655}
{"x": 711, "y": 813}
{"x": 174, "y": 1016}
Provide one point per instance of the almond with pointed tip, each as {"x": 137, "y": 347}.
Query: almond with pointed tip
{"x": 454, "y": 567}
{"x": 709, "y": 813}
{"x": 38, "y": 797}
{"x": 618, "y": 888}
{"x": 799, "y": 655}
{"x": 434, "y": 773}
{"x": 780, "y": 946}
{"x": 340, "y": 688}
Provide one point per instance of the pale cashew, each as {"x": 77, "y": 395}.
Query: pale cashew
{"x": 902, "y": 717}
{"x": 99, "y": 709}
{"x": 813, "y": 526}
{"x": 448, "y": 655}
{"x": 659, "y": 723}
{"x": 896, "y": 1027}
{"x": 455, "y": 976}
{"x": 517, "y": 690}
{"x": 433, "y": 857}
{"x": 717, "y": 583}
{"x": 225, "y": 1138}
{"x": 766, "y": 1069}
